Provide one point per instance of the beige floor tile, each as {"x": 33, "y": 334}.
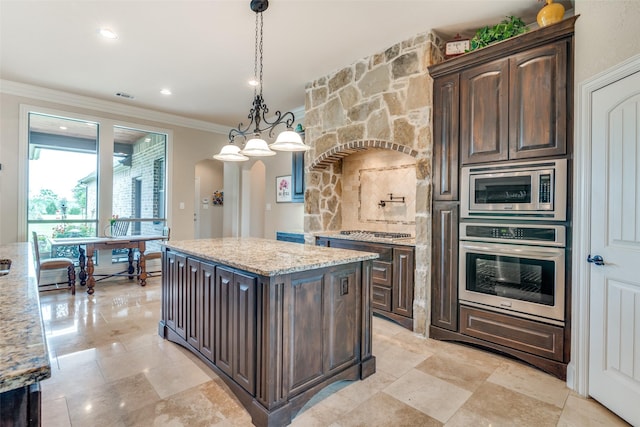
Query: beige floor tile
{"x": 397, "y": 361}
{"x": 531, "y": 382}
{"x": 457, "y": 371}
{"x": 108, "y": 405}
{"x": 437, "y": 398}
{"x": 359, "y": 391}
{"x": 167, "y": 380}
{"x": 76, "y": 378}
{"x": 383, "y": 410}
{"x": 55, "y": 413}
{"x": 131, "y": 363}
{"x": 190, "y": 408}
{"x": 581, "y": 412}
{"x": 496, "y": 406}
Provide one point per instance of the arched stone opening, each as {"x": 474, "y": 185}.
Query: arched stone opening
{"x": 379, "y": 103}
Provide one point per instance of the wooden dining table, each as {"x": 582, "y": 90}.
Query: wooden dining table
{"x": 88, "y": 245}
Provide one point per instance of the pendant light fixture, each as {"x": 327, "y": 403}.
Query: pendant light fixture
{"x": 256, "y": 146}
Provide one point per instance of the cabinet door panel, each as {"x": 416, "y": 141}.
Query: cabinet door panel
{"x": 341, "y": 291}
{"x": 446, "y": 137}
{"x": 207, "y": 302}
{"x": 168, "y": 275}
{"x": 224, "y": 322}
{"x": 538, "y": 102}
{"x": 444, "y": 294}
{"x": 244, "y": 331}
{"x": 484, "y": 112}
{"x": 403, "y": 268}
{"x": 305, "y": 332}
{"x": 194, "y": 305}
{"x": 178, "y": 296}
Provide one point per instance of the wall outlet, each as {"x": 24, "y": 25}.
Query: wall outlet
{"x": 181, "y": 205}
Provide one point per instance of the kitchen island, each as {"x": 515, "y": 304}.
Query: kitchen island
{"x": 277, "y": 321}
{"x": 24, "y": 359}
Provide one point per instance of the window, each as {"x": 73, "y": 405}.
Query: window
{"x": 63, "y": 157}
{"x": 68, "y": 198}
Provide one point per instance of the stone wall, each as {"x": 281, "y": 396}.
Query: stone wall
{"x": 384, "y": 102}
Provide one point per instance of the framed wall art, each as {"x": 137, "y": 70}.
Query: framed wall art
{"x": 283, "y": 189}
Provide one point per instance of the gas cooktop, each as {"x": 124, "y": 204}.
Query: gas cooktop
{"x": 375, "y": 234}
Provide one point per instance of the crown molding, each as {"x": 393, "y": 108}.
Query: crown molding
{"x": 51, "y": 95}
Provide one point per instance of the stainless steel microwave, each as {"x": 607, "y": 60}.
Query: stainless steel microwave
{"x": 533, "y": 190}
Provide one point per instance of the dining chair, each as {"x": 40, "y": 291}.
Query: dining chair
{"x": 53, "y": 264}
{"x": 166, "y": 232}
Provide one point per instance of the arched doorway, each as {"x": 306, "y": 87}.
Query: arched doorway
{"x": 208, "y": 214}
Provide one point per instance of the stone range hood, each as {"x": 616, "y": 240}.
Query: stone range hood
{"x": 380, "y": 102}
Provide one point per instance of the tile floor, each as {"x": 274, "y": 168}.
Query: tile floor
{"x": 110, "y": 368}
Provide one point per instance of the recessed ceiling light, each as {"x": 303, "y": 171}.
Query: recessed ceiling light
{"x": 253, "y": 82}
{"x": 108, "y": 33}
{"x": 63, "y": 127}
{"x": 166, "y": 91}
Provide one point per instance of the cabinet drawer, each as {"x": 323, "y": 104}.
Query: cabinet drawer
{"x": 381, "y": 297}
{"x": 521, "y": 334}
{"x": 382, "y": 273}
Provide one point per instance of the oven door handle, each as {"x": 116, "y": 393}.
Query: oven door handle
{"x": 547, "y": 253}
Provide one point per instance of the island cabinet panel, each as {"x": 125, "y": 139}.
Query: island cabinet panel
{"x": 235, "y": 307}
{"x": 303, "y": 326}
{"x": 538, "y": 102}
{"x": 194, "y": 303}
{"x": 174, "y": 284}
{"x": 275, "y": 340}
{"x": 341, "y": 293}
{"x": 206, "y": 309}
{"x": 484, "y": 112}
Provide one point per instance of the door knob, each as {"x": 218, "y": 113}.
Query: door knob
{"x": 597, "y": 259}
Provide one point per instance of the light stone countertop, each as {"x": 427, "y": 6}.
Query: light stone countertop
{"x": 404, "y": 241}
{"x": 24, "y": 358}
{"x": 267, "y": 257}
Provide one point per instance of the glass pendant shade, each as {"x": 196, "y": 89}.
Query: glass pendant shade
{"x": 289, "y": 141}
{"x": 257, "y": 147}
{"x": 230, "y": 153}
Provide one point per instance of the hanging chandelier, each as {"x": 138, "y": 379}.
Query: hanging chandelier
{"x": 256, "y": 146}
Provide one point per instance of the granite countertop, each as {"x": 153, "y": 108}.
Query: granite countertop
{"x": 24, "y": 358}
{"x": 267, "y": 257}
{"x": 404, "y": 241}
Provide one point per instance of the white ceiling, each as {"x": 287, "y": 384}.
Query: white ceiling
{"x": 203, "y": 50}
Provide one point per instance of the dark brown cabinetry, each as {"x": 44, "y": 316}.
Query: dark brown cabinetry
{"x": 392, "y": 277}
{"x": 505, "y": 102}
{"x": 515, "y": 107}
{"x": 275, "y": 340}
{"x": 235, "y": 326}
{"x": 446, "y": 101}
{"x": 444, "y": 266}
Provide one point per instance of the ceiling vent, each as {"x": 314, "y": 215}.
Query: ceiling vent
{"x": 124, "y": 95}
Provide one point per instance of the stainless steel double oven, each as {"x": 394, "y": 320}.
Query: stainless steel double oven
{"x": 513, "y": 238}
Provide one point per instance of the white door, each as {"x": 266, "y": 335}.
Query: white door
{"x": 614, "y": 335}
